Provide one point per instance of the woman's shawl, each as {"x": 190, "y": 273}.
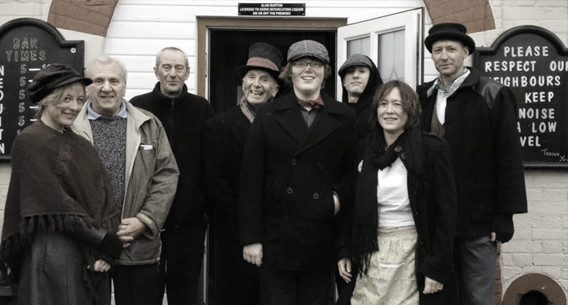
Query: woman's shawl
{"x": 57, "y": 183}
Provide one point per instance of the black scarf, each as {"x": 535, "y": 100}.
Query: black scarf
{"x": 365, "y": 221}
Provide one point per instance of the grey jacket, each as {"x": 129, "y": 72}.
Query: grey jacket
{"x": 151, "y": 180}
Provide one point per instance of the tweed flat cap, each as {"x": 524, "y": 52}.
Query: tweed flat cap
{"x": 449, "y": 31}
{"x": 308, "y": 48}
{"x": 52, "y": 77}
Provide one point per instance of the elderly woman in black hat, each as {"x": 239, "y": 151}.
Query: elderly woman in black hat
{"x": 296, "y": 172}
{"x": 234, "y": 281}
{"x": 58, "y": 237}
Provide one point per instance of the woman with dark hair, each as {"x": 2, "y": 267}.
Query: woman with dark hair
{"x": 405, "y": 209}
{"x": 58, "y": 236}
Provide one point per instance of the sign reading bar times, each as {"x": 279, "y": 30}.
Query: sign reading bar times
{"x": 272, "y": 9}
{"x": 533, "y": 62}
{"x": 27, "y": 45}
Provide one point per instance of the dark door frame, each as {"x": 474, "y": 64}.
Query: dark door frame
{"x": 248, "y": 29}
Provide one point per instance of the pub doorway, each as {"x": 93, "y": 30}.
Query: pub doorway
{"x": 227, "y": 43}
{"x": 229, "y": 49}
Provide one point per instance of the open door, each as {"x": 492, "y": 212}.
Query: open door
{"x": 393, "y": 42}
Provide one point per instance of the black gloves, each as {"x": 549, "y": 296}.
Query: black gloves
{"x": 111, "y": 245}
{"x": 503, "y": 227}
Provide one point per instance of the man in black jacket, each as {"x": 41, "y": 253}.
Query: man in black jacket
{"x": 183, "y": 115}
{"x": 296, "y": 176}
{"x": 234, "y": 281}
{"x": 478, "y": 118}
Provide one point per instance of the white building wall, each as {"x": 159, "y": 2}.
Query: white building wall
{"x": 13, "y": 9}
{"x": 139, "y": 29}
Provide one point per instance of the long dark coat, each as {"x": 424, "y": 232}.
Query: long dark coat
{"x": 481, "y": 128}
{"x": 224, "y": 142}
{"x": 289, "y": 175}
{"x": 234, "y": 281}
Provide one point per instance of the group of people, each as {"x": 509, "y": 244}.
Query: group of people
{"x": 392, "y": 196}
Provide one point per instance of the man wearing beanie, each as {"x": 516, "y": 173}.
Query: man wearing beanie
{"x": 478, "y": 118}
{"x": 295, "y": 184}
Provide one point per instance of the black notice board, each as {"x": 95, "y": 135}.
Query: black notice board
{"x": 27, "y": 45}
{"x": 533, "y": 62}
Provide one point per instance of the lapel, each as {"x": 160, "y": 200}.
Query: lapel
{"x": 289, "y": 116}
{"x": 242, "y": 126}
{"x": 292, "y": 121}
{"x": 427, "y": 103}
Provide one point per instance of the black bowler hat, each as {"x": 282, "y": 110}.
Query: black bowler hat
{"x": 449, "y": 31}
{"x": 52, "y": 77}
{"x": 262, "y": 56}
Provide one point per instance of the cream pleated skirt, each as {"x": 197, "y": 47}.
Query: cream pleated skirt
{"x": 391, "y": 278}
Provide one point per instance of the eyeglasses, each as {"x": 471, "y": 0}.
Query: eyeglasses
{"x": 304, "y": 64}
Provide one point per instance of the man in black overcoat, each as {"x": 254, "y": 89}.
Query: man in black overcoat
{"x": 478, "y": 118}
{"x": 296, "y": 178}
{"x": 232, "y": 280}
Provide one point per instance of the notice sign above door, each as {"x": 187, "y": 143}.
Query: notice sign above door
{"x": 272, "y": 9}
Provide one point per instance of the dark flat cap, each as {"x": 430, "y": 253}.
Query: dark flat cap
{"x": 52, "y": 77}
{"x": 355, "y": 60}
{"x": 449, "y": 31}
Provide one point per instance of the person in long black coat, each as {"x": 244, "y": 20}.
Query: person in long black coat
{"x": 233, "y": 280}
{"x": 478, "y": 117}
{"x": 295, "y": 179}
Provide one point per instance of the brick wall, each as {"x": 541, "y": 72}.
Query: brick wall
{"x": 540, "y": 244}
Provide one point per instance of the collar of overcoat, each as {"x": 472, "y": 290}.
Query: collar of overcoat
{"x": 242, "y": 126}
{"x": 328, "y": 119}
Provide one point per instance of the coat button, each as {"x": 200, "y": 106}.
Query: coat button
{"x": 320, "y": 166}
{"x": 294, "y": 162}
{"x": 316, "y": 196}
{"x": 289, "y": 190}
{"x": 398, "y": 149}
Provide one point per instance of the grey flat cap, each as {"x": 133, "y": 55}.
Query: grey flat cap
{"x": 308, "y": 48}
